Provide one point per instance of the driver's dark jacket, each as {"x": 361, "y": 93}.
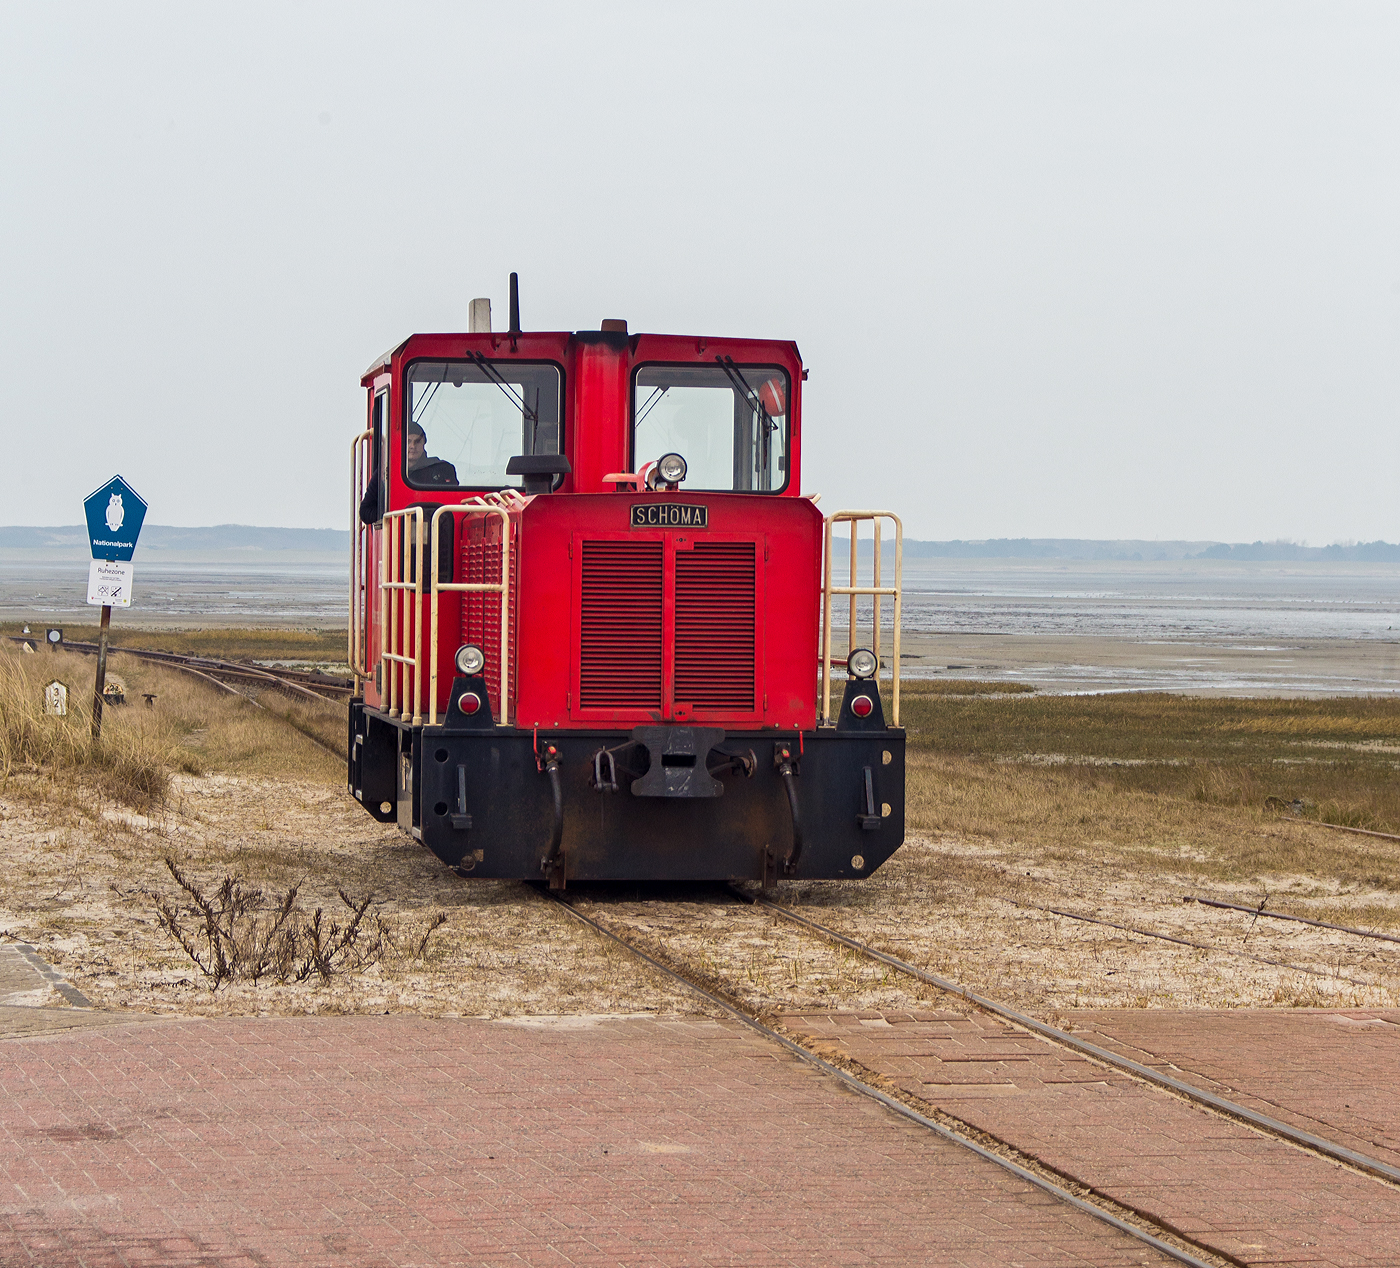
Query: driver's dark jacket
{"x": 431, "y": 471}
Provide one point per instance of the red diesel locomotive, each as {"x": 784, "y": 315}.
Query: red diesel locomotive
{"x": 591, "y": 613}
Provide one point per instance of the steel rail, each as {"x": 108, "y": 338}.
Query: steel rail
{"x": 233, "y": 691}
{"x": 1201, "y": 946}
{"x": 1365, "y": 832}
{"x": 183, "y": 663}
{"x": 897, "y": 1106}
{"x": 1283, "y": 915}
{"x": 1230, "y": 1109}
{"x": 288, "y": 681}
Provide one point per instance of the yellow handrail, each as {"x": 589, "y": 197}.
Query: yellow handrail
{"x": 359, "y": 583}
{"x": 492, "y": 504}
{"x": 396, "y": 576}
{"x": 876, "y": 590}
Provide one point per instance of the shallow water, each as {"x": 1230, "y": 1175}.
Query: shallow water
{"x": 1191, "y": 599}
{"x": 305, "y": 591}
{"x": 1065, "y": 625}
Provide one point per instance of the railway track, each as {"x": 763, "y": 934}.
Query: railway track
{"x": 1003, "y": 1152}
{"x": 230, "y": 676}
{"x": 299, "y": 684}
{"x": 1214, "y": 950}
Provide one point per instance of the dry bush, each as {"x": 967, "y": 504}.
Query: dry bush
{"x": 238, "y": 933}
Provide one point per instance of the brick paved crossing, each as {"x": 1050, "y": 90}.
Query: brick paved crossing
{"x": 407, "y": 1141}
{"x": 1333, "y": 1073}
{"x": 1255, "y": 1198}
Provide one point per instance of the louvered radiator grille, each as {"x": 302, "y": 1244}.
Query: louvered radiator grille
{"x": 715, "y": 626}
{"x": 620, "y": 656}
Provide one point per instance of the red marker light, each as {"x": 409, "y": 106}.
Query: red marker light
{"x": 469, "y": 702}
{"x": 861, "y": 706}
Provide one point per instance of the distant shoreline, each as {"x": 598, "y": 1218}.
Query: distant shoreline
{"x": 230, "y": 542}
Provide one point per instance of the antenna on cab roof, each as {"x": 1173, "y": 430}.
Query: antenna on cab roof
{"x": 515, "y": 303}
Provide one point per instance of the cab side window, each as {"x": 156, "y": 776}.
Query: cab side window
{"x": 375, "y": 500}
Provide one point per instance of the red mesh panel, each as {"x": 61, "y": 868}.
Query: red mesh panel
{"x": 481, "y": 613}
{"x": 715, "y": 626}
{"x": 620, "y": 656}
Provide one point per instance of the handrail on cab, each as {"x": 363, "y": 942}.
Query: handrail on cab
{"x": 359, "y": 584}
{"x": 499, "y": 504}
{"x": 876, "y": 590}
{"x": 397, "y": 625}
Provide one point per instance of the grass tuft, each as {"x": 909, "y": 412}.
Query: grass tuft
{"x": 193, "y": 727}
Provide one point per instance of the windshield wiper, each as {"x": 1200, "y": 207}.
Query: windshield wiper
{"x": 656, "y": 394}
{"x": 736, "y": 377}
{"x": 423, "y": 404}
{"x": 514, "y": 397}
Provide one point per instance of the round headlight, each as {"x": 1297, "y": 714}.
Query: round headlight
{"x": 862, "y": 663}
{"x": 671, "y": 468}
{"x": 470, "y": 659}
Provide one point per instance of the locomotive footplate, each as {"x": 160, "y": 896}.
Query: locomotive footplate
{"x": 655, "y": 802}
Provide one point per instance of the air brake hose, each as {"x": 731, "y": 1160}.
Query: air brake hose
{"x": 552, "y": 865}
{"x": 782, "y": 759}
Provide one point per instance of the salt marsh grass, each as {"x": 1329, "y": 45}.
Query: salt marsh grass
{"x": 321, "y": 646}
{"x": 192, "y": 727}
{"x": 1338, "y": 756}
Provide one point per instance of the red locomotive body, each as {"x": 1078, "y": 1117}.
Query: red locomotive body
{"x": 587, "y": 615}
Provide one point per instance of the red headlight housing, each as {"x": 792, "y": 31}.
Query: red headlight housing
{"x": 861, "y": 706}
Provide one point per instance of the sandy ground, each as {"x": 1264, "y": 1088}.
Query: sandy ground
{"x": 81, "y": 881}
{"x": 80, "y": 885}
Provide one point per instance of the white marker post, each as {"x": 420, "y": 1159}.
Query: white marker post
{"x": 115, "y": 513}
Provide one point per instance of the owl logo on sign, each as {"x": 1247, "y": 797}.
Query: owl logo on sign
{"x": 116, "y": 513}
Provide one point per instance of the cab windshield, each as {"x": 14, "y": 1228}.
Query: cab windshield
{"x": 729, "y": 422}
{"x": 467, "y": 419}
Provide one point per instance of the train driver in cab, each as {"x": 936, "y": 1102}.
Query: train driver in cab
{"x": 422, "y": 469}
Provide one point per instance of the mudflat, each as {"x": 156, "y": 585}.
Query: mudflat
{"x": 1218, "y": 667}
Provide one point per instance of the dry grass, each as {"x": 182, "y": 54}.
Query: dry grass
{"x": 1105, "y": 805}
{"x": 81, "y": 884}
{"x": 192, "y": 727}
{"x": 1338, "y": 756}
{"x": 268, "y": 814}
{"x": 131, "y": 764}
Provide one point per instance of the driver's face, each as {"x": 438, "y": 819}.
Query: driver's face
{"x": 416, "y": 446}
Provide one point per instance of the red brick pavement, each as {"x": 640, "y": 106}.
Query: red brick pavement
{"x": 1333, "y": 1073}
{"x": 1216, "y": 1181}
{"x": 407, "y": 1141}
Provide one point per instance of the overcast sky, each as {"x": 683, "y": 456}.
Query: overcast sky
{"x": 1090, "y": 270}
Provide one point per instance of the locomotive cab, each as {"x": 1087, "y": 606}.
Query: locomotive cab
{"x": 591, "y": 615}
